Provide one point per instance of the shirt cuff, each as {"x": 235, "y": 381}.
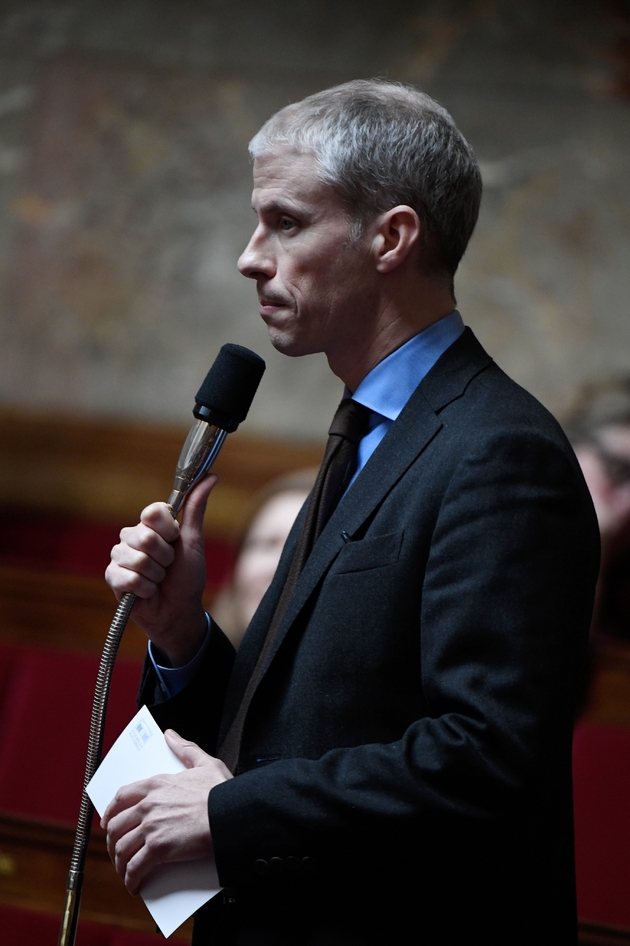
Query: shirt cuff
{"x": 174, "y": 679}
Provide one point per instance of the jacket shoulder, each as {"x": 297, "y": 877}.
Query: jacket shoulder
{"x": 466, "y": 383}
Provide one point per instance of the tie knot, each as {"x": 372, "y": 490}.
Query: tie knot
{"x": 352, "y": 421}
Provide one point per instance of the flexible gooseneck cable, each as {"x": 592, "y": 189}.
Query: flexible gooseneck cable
{"x": 99, "y": 707}
{"x": 221, "y": 404}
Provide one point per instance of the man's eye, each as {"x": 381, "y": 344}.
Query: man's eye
{"x": 286, "y": 223}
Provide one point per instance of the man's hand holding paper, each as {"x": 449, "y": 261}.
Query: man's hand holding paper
{"x": 164, "y": 818}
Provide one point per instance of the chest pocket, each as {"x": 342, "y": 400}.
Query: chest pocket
{"x": 374, "y": 552}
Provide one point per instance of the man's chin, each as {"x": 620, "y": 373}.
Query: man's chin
{"x": 288, "y": 345}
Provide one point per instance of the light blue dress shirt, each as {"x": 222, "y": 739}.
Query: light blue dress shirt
{"x": 390, "y": 384}
{"x": 385, "y": 390}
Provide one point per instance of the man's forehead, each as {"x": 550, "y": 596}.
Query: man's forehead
{"x": 289, "y": 176}
{"x": 284, "y": 167}
{"x": 286, "y": 153}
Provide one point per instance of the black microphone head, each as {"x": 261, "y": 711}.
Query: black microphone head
{"x": 226, "y": 395}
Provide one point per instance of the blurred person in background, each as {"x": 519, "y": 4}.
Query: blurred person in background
{"x": 599, "y": 428}
{"x": 262, "y": 538}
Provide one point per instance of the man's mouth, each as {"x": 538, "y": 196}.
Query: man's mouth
{"x": 269, "y": 305}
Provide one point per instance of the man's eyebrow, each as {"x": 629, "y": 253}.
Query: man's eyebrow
{"x": 276, "y": 206}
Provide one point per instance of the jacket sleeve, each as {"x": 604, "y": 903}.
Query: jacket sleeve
{"x": 194, "y": 712}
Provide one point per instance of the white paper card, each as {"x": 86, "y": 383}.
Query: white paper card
{"x": 173, "y": 892}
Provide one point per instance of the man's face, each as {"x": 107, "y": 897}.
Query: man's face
{"x": 316, "y": 287}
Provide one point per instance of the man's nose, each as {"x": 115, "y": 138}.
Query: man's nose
{"x": 255, "y": 260}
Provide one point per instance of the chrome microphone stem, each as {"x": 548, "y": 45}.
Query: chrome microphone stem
{"x": 72, "y": 903}
{"x": 197, "y": 456}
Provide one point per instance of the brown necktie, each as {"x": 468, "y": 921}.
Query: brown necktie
{"x": 350, "y": 424}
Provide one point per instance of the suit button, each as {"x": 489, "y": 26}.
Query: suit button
{"x": 292, "y": 862}
{"x": 307, "y": 863}
{"x": 276, "y": 864}
{"x": 261, "y": 866}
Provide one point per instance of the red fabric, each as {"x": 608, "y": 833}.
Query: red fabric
{"x": 129, "y": 938}
{"x": 7, "y": 654}
{"x": 32, "y": 539}
{"x": 27, "y": 928}
{"x": 45, "y": 727}
{"x": 601, "y": 773}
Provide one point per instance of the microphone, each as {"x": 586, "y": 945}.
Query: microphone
{"x": 222, "y": 402}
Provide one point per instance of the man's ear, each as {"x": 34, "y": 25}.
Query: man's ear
{"x": 397, "y": 236}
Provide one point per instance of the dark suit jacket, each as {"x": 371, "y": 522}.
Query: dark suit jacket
{"x": 406, "y": 757}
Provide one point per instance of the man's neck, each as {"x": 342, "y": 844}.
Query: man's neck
{"x": 394, "y": 326}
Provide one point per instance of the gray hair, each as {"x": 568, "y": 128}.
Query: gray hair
{"x": 381, "y": 144}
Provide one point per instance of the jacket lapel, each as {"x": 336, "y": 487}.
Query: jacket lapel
{"x": 389, "y": 462}
{"x": 416, "y": 426}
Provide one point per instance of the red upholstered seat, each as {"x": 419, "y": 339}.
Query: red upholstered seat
{"x": 7, "y": 653}
{"x": 601, "y": 767}
{"x": 33, "y": 538}
{"x": 45, "y": 719}
{"x": 27, "y": 928}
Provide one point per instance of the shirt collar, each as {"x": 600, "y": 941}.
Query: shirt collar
{"x": 390, "y": 384}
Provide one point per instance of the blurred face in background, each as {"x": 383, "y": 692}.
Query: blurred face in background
{"x": 606, "y": 467}
{"x": 261, "y": 550}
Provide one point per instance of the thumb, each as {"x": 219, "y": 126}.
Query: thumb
{"x": 195, "y": 505}
{"x": 187, "y": 752}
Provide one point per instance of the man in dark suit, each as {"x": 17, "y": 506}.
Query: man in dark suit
{"x": 401, "y": 751}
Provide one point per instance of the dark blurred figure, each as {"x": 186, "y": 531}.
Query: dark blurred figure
{"x": 263, "y": 535}
{"x": 599, "y": 429}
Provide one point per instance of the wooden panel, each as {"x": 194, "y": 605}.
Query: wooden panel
{"x": 58, "y": 610}
{"x": 109, "y": 471}
{"x": 34, "y": 863}
{"x": 595, "y": 934}
{"x": 609, "y": 690}
{"x": 72, "y": 612}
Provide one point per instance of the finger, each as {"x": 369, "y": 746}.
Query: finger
{"x": 137, "y": 868}
{"x": 158, "y": 517}
{"x": 118, "y": 829}
{"x": 135, "y": 561}
{"x": 195, "y": 508}
{"x": 139, "y": 562}
{"x": 143, "y": 539}
{"x": 125, "y": 849}
{"x": 187, "y": 752}
{"x": 126, "y": 797}
{"x": 121, "y": 580}
{"x": 193, "y": 757}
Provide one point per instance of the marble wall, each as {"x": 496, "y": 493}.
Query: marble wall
{"x": 124, "y": 187}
